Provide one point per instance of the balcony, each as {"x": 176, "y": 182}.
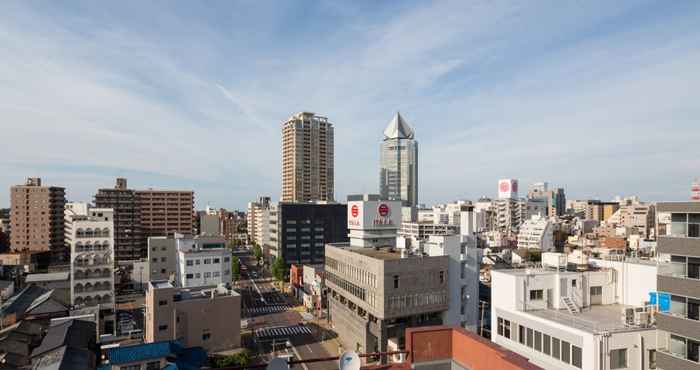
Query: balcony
{"x": 669, "y": 361}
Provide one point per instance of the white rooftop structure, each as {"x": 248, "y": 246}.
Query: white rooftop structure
{"x": 398, "y": 129}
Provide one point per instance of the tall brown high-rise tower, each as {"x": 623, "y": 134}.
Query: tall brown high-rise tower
{"x": 36, "y": 218}
{"x": 307, "y": 158}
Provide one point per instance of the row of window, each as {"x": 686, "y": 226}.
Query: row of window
{"x": 684, "y": 348}
{"x": 685, "y": 307}
{"x": 554, "y": 347}
{"x": 353, "y": 289}
{"x": 353, "y": 272}
{"x": 685, "y": 225}
{"x": 416, "y": 300}
{"x": 207, "y": 275}
{"x": 198, "y": 261}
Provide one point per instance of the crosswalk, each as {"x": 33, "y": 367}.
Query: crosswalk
{"x": 287, "y": 331}
{"x": 268, "y": 309}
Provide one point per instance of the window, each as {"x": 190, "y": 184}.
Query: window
{"x": 536, "y": 295}
{"x": 565, "y": 351}
{"x": 556, "y": 350}
{"x": 217, "y": 274}
{"x": 162, "y": 271}
{"x": 521, "y": 334}
{"x": 442, "y": 277}
{"x": 198, "y": 275}
{"x": 162, "y": 259}
{"x": 693, "y": 350}
{"x": 538, "y": 341}
{"x": 207, "y": 261}
{"x": 227, "y": 272}
{"x": 693, "y": 309}
{"x": 546, "y": 344}
{"x": 504, "y": 328}
{"x": 190, "y": 263}
{"x": 576, "y": 356}
{"x": 197, "y": 262}
{"x": 573, "y": 283}
{"x": 153, "y": 365}
{"x": 207, "y": 275}
{"x": 618, "y": 358}
{"x": 206, "y": 336}
{"x": 396, "y": 281}
{"x": 163, "y": 327}
{"x": 217, "y": 260}
{"x": 529, "y": 337}
{"x": 227, "y": 259}
{"x": 693, "y": 268}
{"x": 154, "y": 259}
{"x": 189, "y": 276}
{"x": 162, "y": 303}
{"x": 652, "y": 359}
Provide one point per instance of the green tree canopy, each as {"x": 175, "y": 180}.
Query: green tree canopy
{"x": 257, "y": 251}
{"x": 279, "y": 269}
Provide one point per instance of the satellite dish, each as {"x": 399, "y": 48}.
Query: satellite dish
{"x": 278, "y": 363}
{"x": 349, "y": 361}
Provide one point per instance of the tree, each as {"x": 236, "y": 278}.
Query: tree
{"x": 278, "y": 269}
{"x": 257, "y": 252}
{"x": 235, "y": 268}
{"x": 237, "y": 360}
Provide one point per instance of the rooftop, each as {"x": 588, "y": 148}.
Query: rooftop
{"x": 593, "y": 319}
{"x": 52, "y": 276}
{"x": 195, "y": 292}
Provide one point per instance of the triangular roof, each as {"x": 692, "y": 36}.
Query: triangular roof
{"x": 398, "y": 129}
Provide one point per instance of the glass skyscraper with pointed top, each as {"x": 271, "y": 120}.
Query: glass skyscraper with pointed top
{"x": 398, "y": 174}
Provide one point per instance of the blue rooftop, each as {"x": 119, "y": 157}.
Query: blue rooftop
{"x": 186, "y": 358}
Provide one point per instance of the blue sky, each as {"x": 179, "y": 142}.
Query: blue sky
{"x": 597, "y": 96}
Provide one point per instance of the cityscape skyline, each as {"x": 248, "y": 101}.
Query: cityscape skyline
{"x": 485, "y": 97}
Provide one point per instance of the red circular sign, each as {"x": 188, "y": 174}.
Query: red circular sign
{"x": 383, "y": 210}
{"x": 355, "y": 211}
{"x": 504, "y": 186}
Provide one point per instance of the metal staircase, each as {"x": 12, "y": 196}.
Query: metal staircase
{"x": 570, "y": 305}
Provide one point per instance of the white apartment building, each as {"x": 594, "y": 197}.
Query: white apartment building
{"x": 199, "y": 265}
{"x": 256, "y": 219}
{"x": 537, "y": 233}
{"x": 89, "y": 233}
{"x": 593, "y": 319}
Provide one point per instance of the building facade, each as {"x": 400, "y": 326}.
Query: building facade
{"x": 36, "y": 219}
{"x": 129, "y": 243}
{"x": 90, "y": 237}
{"x": 398, "y": 167}
{"x": 307, "y": 158}
{"x": 257, "y": 217}
{"x": 298, "y": 232}
{"x": 679, "y": 279}
{"x": 188, "y": 261}
{"x": 537, "y": 233}
{"x": 207, "y": 317}
{"x": 593, "y": 319}
{"x": 166, "y": 211}
{"x": 556, "y": 202}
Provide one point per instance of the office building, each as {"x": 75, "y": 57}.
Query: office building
{"x": 257, "y": 217}
{"x": 679, "y": 279}
{"x": 398, "y": 168}
{"x": 374, "y": 290}
{"x": 189, "y": 261}
{"x": 165, "y": 212}
{"x": 594, "y": 317}
{"x": 640, "y": 217}
{"x": 537, "y": 233}
{"x": 36, "y": 219}
{"x": 422, "y": 230}
{"x": 556, "y": 202}
{"x": 197, "y": 317}
{"x": 129, "y": 243}
{"x": 538, "y": 190}
{"x": 307, "y": 158}
{"x": 90, "y": 237}
{"x": 298, "y": 232}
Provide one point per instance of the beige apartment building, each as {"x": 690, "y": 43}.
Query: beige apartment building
{"x": 307, "y": 158}
{"x": 165, "y": 212}
{"x": 36, "y": 218}
{"x": 199, "y": 317}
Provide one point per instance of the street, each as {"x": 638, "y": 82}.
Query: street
{"x": 278, "y": 329}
